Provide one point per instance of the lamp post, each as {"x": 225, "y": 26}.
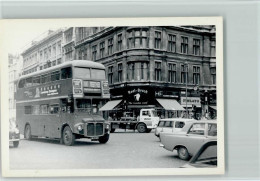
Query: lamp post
{"x": 186, "y": 87}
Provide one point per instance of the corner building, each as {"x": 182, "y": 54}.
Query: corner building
{"x": 154, "y": 66}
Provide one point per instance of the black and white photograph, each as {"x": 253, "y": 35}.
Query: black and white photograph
{"x": 126, "y": 96}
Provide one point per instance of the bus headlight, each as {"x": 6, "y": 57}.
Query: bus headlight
{"x": 80, "y": 128}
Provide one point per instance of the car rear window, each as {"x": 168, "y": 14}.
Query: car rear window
{"x": 168, "y": 124}
{"x": 212, "y": 129}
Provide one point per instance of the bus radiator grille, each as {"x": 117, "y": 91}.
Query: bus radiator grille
{"x": 94, "y": 129}
{"x": 90, "y": 129}
{"x": 99, "y": 129}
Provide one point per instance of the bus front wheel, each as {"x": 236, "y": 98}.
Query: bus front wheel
{"x": 103, "y": 139}
{"x": 27, "y": 132}
{"x": 68, "y": 136}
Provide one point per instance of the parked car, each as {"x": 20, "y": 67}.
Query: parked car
{"x": 14, "y": 134}
{"x": 205, "y": 157}
{"x": 173, "y": 125}
{"x": 189, "y": 143}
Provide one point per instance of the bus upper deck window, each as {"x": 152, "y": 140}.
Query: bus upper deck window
{"x": 66, "y": 73}
{"x": 21, "y": 83}
{"x": 55, "y": 76}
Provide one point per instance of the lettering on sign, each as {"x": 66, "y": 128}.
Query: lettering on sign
{"x": 190, "y": 100}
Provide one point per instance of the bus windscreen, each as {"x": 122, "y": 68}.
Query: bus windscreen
{"x": 87, "y": 73}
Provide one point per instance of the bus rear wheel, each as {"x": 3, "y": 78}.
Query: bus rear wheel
{"x": 27, "y": 132}
{"x": 68, "y": 136}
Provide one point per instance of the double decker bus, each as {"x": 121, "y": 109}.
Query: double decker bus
{"x": 62, "y": 102}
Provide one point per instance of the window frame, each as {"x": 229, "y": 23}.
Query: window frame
{"x": 184, "y": 44}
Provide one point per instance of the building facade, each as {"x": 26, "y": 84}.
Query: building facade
{"x": 146, "y": 65}
{"x": 44, "y": 53}
{"x": 14, "y": 65}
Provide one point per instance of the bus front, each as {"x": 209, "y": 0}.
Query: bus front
{"x": 90, "y": 92}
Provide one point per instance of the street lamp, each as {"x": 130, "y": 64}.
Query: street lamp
{"x": 186, "y": 87}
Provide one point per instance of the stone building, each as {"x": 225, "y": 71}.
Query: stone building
{"x": 43, "y": 53}
{"x": 160, "y": 67}
{"x": 14, "y": 65}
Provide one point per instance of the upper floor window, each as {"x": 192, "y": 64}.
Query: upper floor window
{"x": 110, "y": 46}
{"x": 120, "y": 72}
{"x": 119, "y": 42}
{"x": 66, "y": 73}
{"x": 110, "y": 75}
{"x": 157, "y": 40}
{"x": 196, "y": 47}
{"x": 171, "y": 72}
{"x": 158, "y": 70}
{"x": 196, "y": 74}
{"x": 184, "y": 45}
{"x": 102, "y": 49}
{"x": 171, "y": 43}
{"x": 184, "y": 73}
{"x": 137, "y": 38}
{"x": 213, "y": 75}
{"x": 81, "y": 33}
{"x": 94, "y": 52}
{"x": 213, "y": 48}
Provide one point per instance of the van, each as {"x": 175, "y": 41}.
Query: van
{"x": 173, "y": 125}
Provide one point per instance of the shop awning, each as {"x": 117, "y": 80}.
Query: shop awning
{"x": 110, "y": 105}
{"x": 213, "y": 107}
{"x": 170, "y": 104}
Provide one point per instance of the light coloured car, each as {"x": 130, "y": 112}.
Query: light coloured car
{"x": 189, "y": 143}
{"x": 205, "y": 157}
{"x": 173, "y": 125}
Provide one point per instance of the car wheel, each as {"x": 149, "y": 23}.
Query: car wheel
{"x": 103, "y": 139}
{"x": 183, "y": 153}
{"x": 141, "y": 128}
{"x": 16, "y": 143}
{"x": 68, "y": 136}
{"x": 27, "y": 132}
{"x": 148, "y": 130}
{"x": 112, "y": 130}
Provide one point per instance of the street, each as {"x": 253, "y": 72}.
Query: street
{"x": 123, "y": 150}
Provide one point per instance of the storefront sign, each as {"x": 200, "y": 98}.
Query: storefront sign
{"x": 138, "y": 96}
{"x": 190, "y": 101}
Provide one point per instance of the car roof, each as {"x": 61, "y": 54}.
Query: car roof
{"x": 178, "y": 119}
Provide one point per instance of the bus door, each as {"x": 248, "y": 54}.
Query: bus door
{"x": 52, "y": 128}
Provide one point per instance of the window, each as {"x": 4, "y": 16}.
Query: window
{"x": 213, "y": 48}
{"x": 212, "y": 129}
{"x": 110, "y": 46}
{"x": 184, "y": 73}
{"x": 119, "y": 42}
{"x": 102, "y": 49}
{"x": 196, "y": 47}
{"x": 179, "y": 124}
{"x": 157, "y": 40}
{"x": 171, "y": 43}
{"x": 110, "y": 75}
{"x": 158, "y": 71}
{"x": 49, "y": 56}
{"x": 53, "y": 50}
{"x": 54, "y": 109}
{"x": 120, "y": 72}
{"x": 94, "y": 52}
{"x": 97, "y": 74}
{"x": 81, "y": 73}
{"x": 171, "y": 72}
{"x": 66, "y": 73}
{"x": 55, "y": 76}
{"x": 197, "y": 128}
{"x": 133, "y": 71}
{"x": 28, "y": 82}
{"x": 44, "y": 109}
{"x": 213, "y": 75}
{"x": 27, "y": 109}
{"x": 37, "y": 80}
{"x": 168, "y": 124}
{"x": 36, "y": 109}
{"x": 137, "y": 38}
{"x": 196, "y": 75}
{"x": 45, "y": 78}
{"x": 184, "y": 45}
{"x": 142, "y": 71}
{"x": 21, "y": 83}
{"x": 161, "y": 123}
